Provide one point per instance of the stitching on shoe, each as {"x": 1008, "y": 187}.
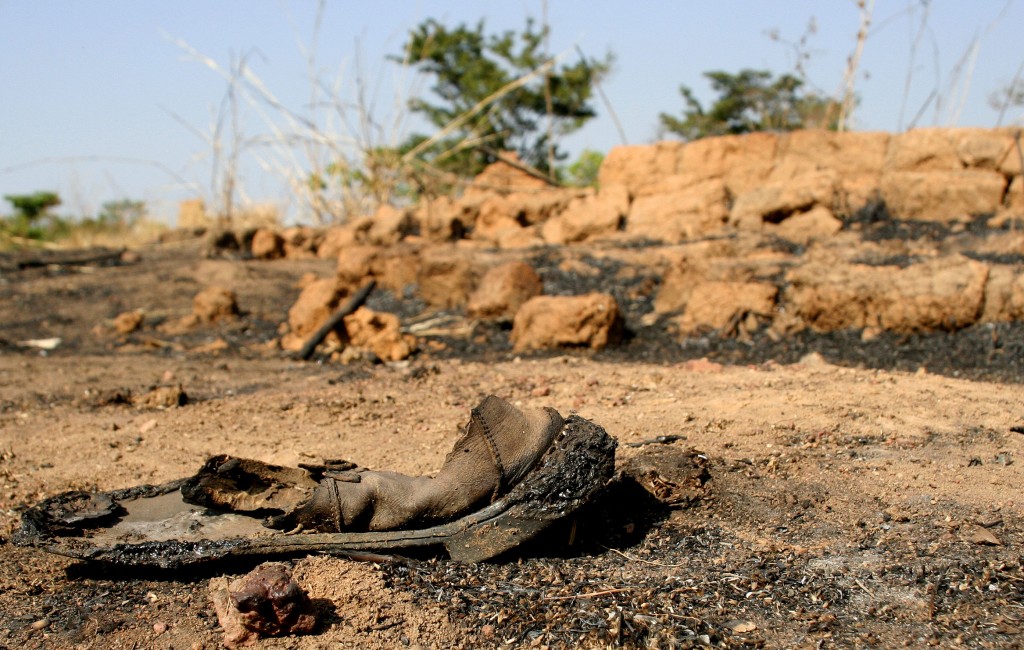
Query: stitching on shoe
{"x": 336, "y": 501}
{"x": 489, "y": 438}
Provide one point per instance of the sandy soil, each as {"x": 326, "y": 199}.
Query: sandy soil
{"x": 846, "y": 506}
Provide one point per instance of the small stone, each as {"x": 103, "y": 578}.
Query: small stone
{"x": 214, "y": 304}
{"x": 162, "y": 397}
{"x": 504, "y": 289}
{"x": 159, "y": 627}
{"x": 128, "y": 322}
{"x": 41, "y": 624}
{"x": 741, "y": 627}
{"x": 981, "y": 536}
{"x": 265, "y": 602}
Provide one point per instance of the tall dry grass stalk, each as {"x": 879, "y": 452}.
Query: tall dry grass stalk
{"x": 915, "y": 44}
{"x": 335, "y": 157}
{"x": 847, "y": 97}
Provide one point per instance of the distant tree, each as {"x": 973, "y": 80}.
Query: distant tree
{"x": 1011, "y": 95}
{"x": 583, "y": 172}
{"x": 484, "y": 101}
{"x": 32, "y": 206}
{"x": 124, "y": 213}
{"x": 751, "y": 100}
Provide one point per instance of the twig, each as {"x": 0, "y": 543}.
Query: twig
{"x": 650, "y": 562}
{"x": 526, "y": 169}
{"x": 479, "y": 106}
{"x": 353, "y": 303}
{"x": 658, "y": 440}
{"x": 548, "y": 103}
{"x": 74, "y": 258}
{"x": 592, "y": 594}
{"x": 847, "y": 97}
{"x": 604, "y": 100}
{"x": 1009, "y": 94}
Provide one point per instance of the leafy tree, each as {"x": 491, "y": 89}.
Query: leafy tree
{"x": 29, "y": 208}
{"x": 494, "y": 94}
{"x": 121, "y": 214}
{"x": 32, "y": 206}
{"x": 583, "y": 172}
{"x": 751, "y": 100}
{"x": 1011, "y": 95}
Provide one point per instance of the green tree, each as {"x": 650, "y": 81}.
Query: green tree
{"x": 30, "y": 207}
{"x": 1011, "y": 95}
{"x": 493, "y": 93}
{"x": 121, "y": 214}
{"x": 751, "y": 100}
{"x": 583, "y": 172}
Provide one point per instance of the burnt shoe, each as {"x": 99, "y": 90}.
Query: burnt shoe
{"x": 500, "y": 445}
{"x": 510, "y": 476}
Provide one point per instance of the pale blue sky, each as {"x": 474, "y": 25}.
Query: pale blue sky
{"x": 93, "y": 93}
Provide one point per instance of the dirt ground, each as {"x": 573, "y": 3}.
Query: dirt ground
{"x": 854, "y": 499}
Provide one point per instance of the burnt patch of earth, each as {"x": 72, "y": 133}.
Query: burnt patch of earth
{"x": 691, "y": 584}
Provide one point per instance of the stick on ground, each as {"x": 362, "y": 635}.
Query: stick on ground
{"x": 352, "y": 304}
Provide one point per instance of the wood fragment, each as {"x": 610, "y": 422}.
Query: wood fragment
{"x": 592, "y": 594}
{"x": 352, "y": 304}
{"x": 642, "y": 561}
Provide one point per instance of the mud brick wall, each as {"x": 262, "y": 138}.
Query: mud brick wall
{"x": 762, "y": 180}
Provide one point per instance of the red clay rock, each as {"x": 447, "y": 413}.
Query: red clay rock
{"x": 988, "y": 149}
{"x": 1014, "y": 199}
{"x": 591, "y": 320}
{"x": 447, "y": 276}
{"x": 398, "y": 267}
{"x": 504, "y": 178}
{"x": 335, "y": 239}
{"x": 695, "y": 264}
{"x": 497, "y": 213}
{"x": 942, "y": 196}
{"x": 501, "y": 213}
{"x": 519, "y": 238}
{"x": 267, "y": 245}
{"x": 128, "y": 322}
{"x": 389, "y": 226}
{"x": 774, "y": 202}
{"x": 314, "y": 306}
{"x": 213, "y": 304}
{"x": 633, "y": 166}
{"x": 588, "y": 217}
{"x": 922, "y": 150}
{"x": 444, "y": 219}
{"x": 379, "y": 332}
{"x": 695, "y": 211}
{"x": 393, "y": 267}
{"x": 265, "y": 602}
{"x": 503, "y": 290}
{"x": 855, "y": 157}
{"x": 848, "y": 153}
{"x": 805, "y": 227}
{"x": 945, "y": 293}
{"x": 768, "y": 172}
{"x": 300, "y": 242}
{"x": 1004, "y": 295}
{"x": 742, "y": 162}
{"x": 357, "y": 262}
{"x": 722, "y": 305}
